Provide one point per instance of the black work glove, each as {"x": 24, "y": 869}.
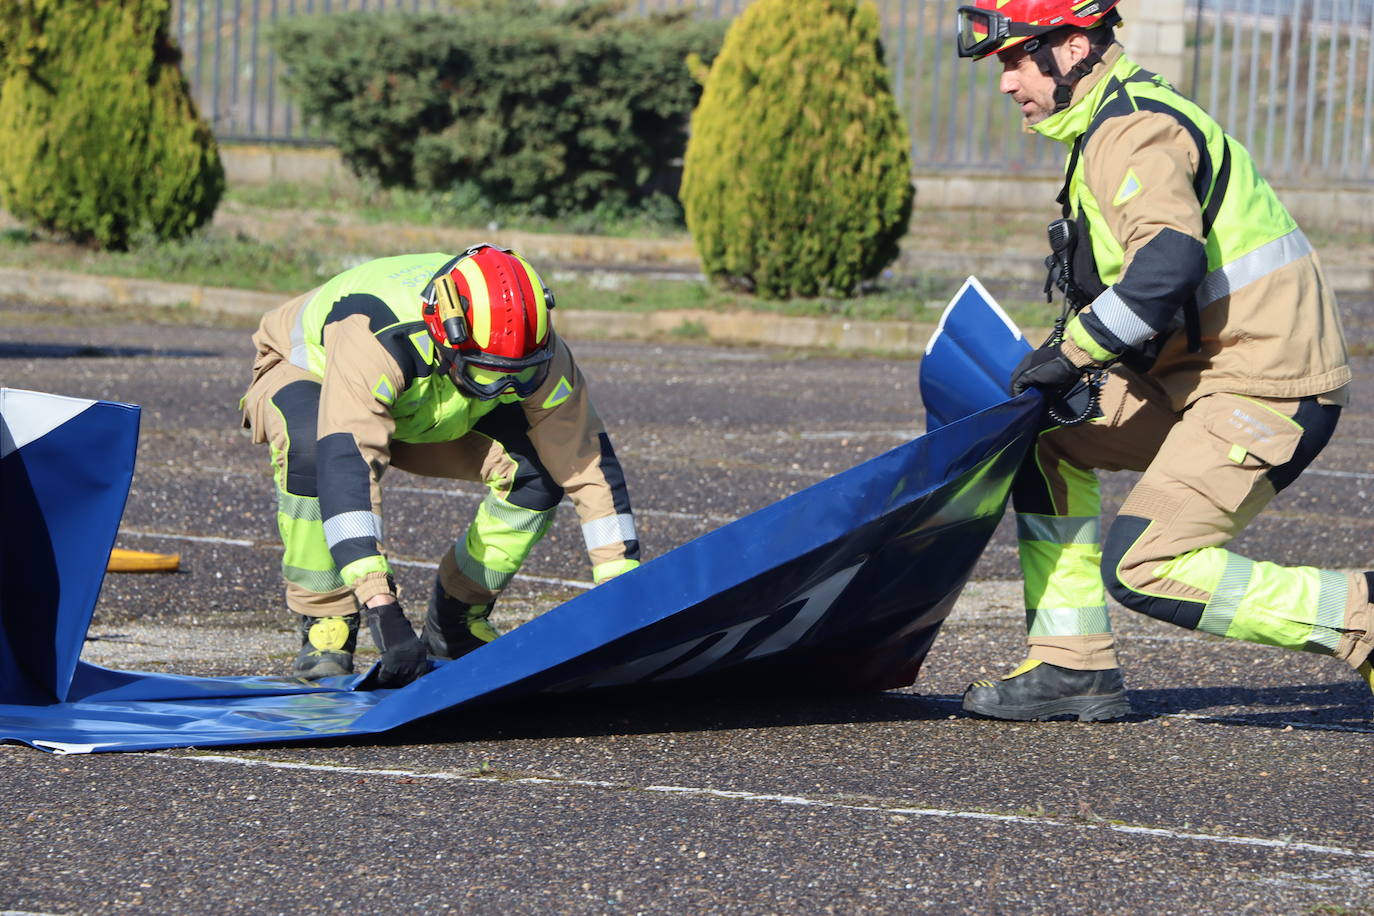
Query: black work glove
{"x": 403, "y": 655}
{"x": 1047, "y": 369}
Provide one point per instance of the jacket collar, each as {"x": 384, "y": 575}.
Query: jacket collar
{"x": 1073, "y": 122}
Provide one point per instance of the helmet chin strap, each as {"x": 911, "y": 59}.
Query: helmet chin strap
{"x": 1042, "y": 53}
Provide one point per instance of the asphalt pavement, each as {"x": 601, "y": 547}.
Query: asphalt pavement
{"x": 1241, "y": 784}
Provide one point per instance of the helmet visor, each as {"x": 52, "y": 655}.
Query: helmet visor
{"x": 981, "y": 32}
{"x": 496, "y": 376}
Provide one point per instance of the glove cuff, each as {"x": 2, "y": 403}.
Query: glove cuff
{"x": 388, "y": 625}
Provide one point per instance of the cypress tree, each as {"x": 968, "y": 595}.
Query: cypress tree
{"x": 99, "y": 137}
{"x": 796, "y": 178}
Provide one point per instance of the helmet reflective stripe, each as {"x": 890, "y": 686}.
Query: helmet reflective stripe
{"x": 514, "y": 320}
{"x": 506, "y": 302}
{"x": 472, "y": 285}
{"x": 541, "y": 315}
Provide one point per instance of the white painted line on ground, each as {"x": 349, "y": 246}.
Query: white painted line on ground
{"x": 905, "y": 435}
{"x": 789, "y": 800}
{"x": 546, "y": 580}
{"x": 647, "y": 513}
{"x": 1352, "y": 475}
{"x": 265, "y": 473}
{"x": 1296, "y": 726}
{"x": 234, "y": 542}
{"x": 1219, "y": 718}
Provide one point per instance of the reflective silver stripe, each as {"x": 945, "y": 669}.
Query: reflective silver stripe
{"x": 346, "y": 525}
{"x": 303, "y": 508}
{"x": 1330, "y": 617}
{"x": 1118, "y": 318}
{"x": 300, "y": 353}
{"x": 610, "y": 530}
{"x": 490, "y": 578}
{"x": 1221, "y": 610}
{"x": 313, "y": 580}
{"x": 1068, "y": 621}
{"x": 514, "y": 517}
{"x": 1053, "y": 529}
{"x": 1248, "y": 268}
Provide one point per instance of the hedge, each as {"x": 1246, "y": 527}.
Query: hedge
{"x": 558, "y": 109}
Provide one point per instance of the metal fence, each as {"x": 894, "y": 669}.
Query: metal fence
{"x": 1292, "y": 79}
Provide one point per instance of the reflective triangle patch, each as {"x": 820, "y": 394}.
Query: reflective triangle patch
{"x": 1129, "y": 188}
{"x": 383, "y": 390}
{"x": 561, "y": 392}
{"x": 425, "y": 344}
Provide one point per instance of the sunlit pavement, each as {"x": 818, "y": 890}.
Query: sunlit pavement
{"x": 1241, "y": 784}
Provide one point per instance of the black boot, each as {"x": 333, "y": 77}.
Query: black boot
{"x": 327, "y": 645}
{"x": 1039, "y": 690}
{"x": 454, "y": 628}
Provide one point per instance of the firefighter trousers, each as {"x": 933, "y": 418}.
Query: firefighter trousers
{"x": 282, "y": 406}
{"x": 1206, "y": 472}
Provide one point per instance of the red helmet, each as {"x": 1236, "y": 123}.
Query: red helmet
{"x": 991, "y": 26}
{"x": 488, "y": 314}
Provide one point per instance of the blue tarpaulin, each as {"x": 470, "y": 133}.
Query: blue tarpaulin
{"x": 842, "y": 584}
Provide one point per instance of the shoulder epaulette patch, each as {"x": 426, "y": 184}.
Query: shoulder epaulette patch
{"x": 1129, "y": 188}
{"x": 384, "y": 392}
{"x": 561, "y": 392}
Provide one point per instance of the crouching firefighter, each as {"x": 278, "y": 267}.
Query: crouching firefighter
{"x": 1202, "y": 347}
{"x": 442, "y": 366}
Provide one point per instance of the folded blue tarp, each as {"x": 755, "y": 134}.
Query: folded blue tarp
{"x": 843, "y": 584}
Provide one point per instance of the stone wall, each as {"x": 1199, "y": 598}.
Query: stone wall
{"x": 1154, "y": 35}
{"x": 1337, "y": 207}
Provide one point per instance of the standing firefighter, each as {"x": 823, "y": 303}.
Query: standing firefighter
{"x": 1202, "y": 348}
{"x": 443, "y": 366}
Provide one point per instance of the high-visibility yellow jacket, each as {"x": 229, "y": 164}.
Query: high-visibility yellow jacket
{"x": 1171, "y": 210}
{"x": 363, "y": 336}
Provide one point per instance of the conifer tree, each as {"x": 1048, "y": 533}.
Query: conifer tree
{"x": 99, "y": 137}
{"x": 796, "y": 178}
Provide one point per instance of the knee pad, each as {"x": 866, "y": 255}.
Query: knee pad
{"x": 1124, "y": 533}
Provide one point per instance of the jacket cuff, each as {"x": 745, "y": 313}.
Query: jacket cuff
{"x": 371, "y": 585}
{"x": 604, "y": 571}
{"x": 1081, "y": 349}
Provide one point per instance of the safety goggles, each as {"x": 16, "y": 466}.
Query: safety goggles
{"x": 982, "y": 32}
{"x": 496, "y": 375}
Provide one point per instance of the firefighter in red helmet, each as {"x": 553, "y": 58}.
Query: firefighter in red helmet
{"x": 1200, "y": 345}
{"x": 445, "y": 366}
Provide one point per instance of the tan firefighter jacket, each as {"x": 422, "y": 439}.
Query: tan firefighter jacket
{"x": 1172, "y": 212}
{"x": 363, "y": 336}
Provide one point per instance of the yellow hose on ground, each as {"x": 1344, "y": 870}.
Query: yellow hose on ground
{"x": 139, "y": 561}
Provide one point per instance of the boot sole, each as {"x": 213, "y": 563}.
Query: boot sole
{"x": 327, "y": 667}
{"x": 1086, "y": 709}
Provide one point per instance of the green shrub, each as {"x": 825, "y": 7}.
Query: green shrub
{"x": 797, "y": 178}
{"x": 560, "y": 109}
{"x": 99, "y": 138}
